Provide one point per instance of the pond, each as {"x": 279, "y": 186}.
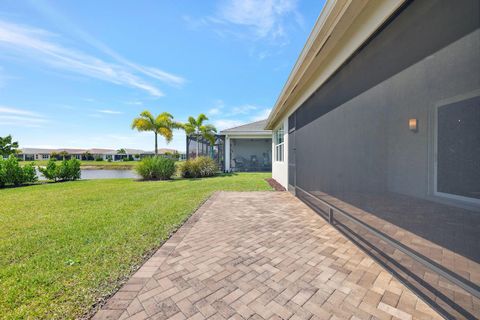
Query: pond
{"x": 103, "y": 174}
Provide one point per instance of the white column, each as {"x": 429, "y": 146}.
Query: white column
{"x": 227, "y": 153}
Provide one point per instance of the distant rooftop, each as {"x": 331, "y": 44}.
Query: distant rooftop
{"x": 91, "y": 151}
{"x": 257, "y": 127}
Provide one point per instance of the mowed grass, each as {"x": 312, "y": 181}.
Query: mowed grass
{"x": 65, "y": 246}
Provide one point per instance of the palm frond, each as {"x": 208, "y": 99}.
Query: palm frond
{"x": 192, "y": 121}
{"x": 166, "y": 133}
{"x": 146, "y": 114}
{"x": 164, "y": 117}
{"x": 142, "y": 124}
{"x": 189, "y": 128}
{"x": 201, "y": 118}
{"x": 209, "y": 128}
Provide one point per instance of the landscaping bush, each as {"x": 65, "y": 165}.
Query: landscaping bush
{"x": 198, "y": 168}
{"x": 29, "y": 173}
{"x": 156, "y": 168}
{"x": 67, "y": 170}
{"x": 11, "y": 173}
{"x": 50, "y": 171}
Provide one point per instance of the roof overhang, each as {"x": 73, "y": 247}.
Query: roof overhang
{"x": 342, "y": 28}
{"x": 247, "y": 133}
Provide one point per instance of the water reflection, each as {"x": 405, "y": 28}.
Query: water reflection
{"x": 103, "y": 174}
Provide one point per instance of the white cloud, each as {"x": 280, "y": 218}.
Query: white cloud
{"x": 243, "y": 109}
{"x": 67, "y": 24}
{"x": 217, "y": 109}
{"x": 19, "y": 117}
{"x": 15, "y": 111}
{"x": 262, "y": 115}
{"x": 134, "y": 103}
{"x": 108, "y": 111}
{"x": 37, "y": 44}
{"x": 214, "y": 111}
{"x": 265, "y": 18}
{"x": 229, "y": 117}
{"x": 222, "y": 124}
{"x": 2, "y": 78}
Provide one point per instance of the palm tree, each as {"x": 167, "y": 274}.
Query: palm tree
{"x": 63, "y": 154}
{"x": 195, "y": 127}
{"x": 162, "y": 125}
{"x": 121, "y": 152}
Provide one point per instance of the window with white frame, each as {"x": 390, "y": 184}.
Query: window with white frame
{"x": 279, "y": 144}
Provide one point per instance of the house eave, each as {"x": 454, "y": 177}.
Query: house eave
{"x": 246, "y": 133}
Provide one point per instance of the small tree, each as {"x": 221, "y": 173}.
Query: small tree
{"x": 7, "y": 147}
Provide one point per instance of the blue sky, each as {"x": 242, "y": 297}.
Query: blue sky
{"x": 75, "y": 73}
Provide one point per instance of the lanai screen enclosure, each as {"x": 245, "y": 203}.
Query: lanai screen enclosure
{"x": 246, "y": 148}
{"x": 387, "y": 147}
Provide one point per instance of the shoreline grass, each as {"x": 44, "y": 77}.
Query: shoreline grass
{"x": 65, "y": 246}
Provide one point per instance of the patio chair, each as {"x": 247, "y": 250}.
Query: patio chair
{"x": 239, "y": 163}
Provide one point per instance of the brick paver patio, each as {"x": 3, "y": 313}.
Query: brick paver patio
{"x": 261, "y": 255}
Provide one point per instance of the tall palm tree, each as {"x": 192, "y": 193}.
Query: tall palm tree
{"x": 162, "y": 125}
{"x": 195, "y": 127}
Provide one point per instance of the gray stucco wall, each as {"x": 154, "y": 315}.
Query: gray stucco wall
{"x": 364, "y": 144}
{"x": 452, "y": 72}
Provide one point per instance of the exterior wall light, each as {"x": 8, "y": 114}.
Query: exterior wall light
{"x": 413, "y": 125}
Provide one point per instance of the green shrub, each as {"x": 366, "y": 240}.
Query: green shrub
{"x": 67, "y": 170}
{"x": 29, "y": 173}
{"x": 156, "y": 168}
{"x": 50, "y": 171}
{"x": 99, "y": 159}
{"x": 11, "y": 173}
{"x": 198, "y": 168}
{"x": 73, "y": 171}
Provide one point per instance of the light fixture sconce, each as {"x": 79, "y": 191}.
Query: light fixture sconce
{"x": 413, "y": 125}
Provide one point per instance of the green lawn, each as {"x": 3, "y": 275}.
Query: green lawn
{"x": 93, "y": 164}
{"x": 64, "y": 246}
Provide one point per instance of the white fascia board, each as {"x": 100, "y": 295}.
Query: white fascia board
{"x": 249, "y": 136}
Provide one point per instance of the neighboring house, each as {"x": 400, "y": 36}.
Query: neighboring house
{"x": 243, "y": 148}
{"x": 30, "y": 154}
{"x": 379, "y": 124}
{"x": 248, "y": 147}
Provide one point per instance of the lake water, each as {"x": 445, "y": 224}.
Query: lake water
{"x": 103, "y": 174}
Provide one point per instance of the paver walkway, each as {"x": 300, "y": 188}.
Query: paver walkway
{"x": 261, "y": 255}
